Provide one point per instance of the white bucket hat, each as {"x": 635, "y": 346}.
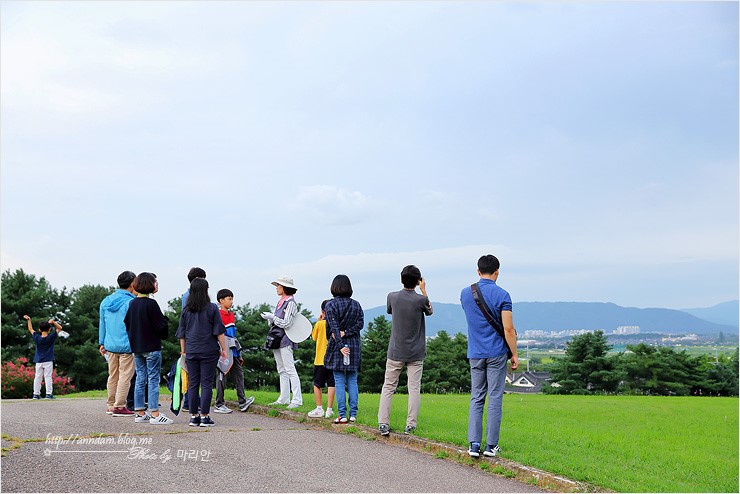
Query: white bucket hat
{"x": 284, "y": 281}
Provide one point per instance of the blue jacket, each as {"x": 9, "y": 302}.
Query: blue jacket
{"x": 112, "y": 332}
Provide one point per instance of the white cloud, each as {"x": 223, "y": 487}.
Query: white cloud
{"x": 331, "y": 205}
{"x": 69, "y": 72}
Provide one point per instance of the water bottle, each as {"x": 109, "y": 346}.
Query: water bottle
{"x": 346, "y": 357}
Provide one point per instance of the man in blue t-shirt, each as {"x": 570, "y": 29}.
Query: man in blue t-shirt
{"x": 487, "y": 353}
{"x": 44, "y": 356}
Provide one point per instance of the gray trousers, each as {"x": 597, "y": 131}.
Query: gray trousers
{"x": 393, "y": 370}
{"x": 487, "y": 376}
{"x": 237, "y": 374}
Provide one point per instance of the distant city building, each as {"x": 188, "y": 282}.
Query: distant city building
{"x": 533, "y": 334}
{"x": 680, "y": 339}
{"x": 627, "y": 330}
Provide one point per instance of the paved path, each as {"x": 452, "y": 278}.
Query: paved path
{"x": 245, "y": 452}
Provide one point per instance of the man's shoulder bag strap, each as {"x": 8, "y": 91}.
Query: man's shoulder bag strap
{"x": 483, "y": 306}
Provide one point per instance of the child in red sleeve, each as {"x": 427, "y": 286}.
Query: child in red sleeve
{"x": 225, "y": 299}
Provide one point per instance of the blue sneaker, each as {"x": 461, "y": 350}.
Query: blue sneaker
{"x": 491, "y": 451}
{"x": 474, "y": 450}
{"x": 36, "y": 397}
{"x": 50, "y": 397}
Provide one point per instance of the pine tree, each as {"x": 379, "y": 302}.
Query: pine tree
{"x": 22, "y": 294}
{"x": 374, "y": 355}
{"x": 586, "y": 366}
{"x": 79, "y": 354}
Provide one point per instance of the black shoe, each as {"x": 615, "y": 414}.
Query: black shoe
{"x": 243, "y": 406}
{"x": 384, "y": 429}
{"x": 194, "y": 421}
{"x": 474, "y": 450}
{"x": 206, "y": 422}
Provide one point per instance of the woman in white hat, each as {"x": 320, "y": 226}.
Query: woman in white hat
{"x": 281, "y": 345}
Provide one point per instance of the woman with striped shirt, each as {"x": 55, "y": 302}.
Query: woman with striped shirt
{"x": 280, "y": 320}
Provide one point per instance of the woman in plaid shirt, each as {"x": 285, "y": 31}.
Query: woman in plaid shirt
{"x": 344, "y": 321}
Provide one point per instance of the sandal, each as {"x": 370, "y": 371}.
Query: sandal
{"x": 340, "y": 420}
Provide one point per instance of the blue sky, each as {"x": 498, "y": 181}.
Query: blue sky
{"x": 593, "y": 147}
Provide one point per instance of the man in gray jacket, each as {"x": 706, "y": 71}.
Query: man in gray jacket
{"x": 407, "y": 347}
{"x": 114, "y": 344}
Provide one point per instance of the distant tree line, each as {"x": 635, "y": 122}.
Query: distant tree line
{"x": 586, "y": 367}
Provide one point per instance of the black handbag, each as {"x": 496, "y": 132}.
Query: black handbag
{"x": 274, "y": 338}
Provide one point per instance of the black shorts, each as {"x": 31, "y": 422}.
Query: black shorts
{"x": 323, "y": 377}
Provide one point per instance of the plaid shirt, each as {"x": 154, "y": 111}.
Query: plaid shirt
{"x": 344, "y": 314}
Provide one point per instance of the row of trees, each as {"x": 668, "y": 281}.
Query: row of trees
{"x": 586, "y": 368}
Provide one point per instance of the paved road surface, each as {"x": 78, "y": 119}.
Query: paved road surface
{"x": 245, "y": 452}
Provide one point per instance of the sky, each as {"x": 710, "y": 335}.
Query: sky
{"x": 591, "y": 146}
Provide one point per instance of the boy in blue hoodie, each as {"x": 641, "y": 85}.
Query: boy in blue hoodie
{"x": 114, "y": 344}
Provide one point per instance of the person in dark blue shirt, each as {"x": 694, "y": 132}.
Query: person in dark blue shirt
{"x": 202, "y": 341}
{"x": 44, "y": 357}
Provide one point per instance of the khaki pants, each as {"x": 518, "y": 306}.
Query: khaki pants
{"x": 120, "y": 371}
{"x": 393, "y": 370}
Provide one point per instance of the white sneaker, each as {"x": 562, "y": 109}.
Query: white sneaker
{"x": 294, "y": 405}
{"x": 329, "y": 413}
{"x": 142, "y": 418}
{"x": 222, "y": 409}
{"x": 316, "y": 413}
{"x": 276, "y": 403}
{"x": 161, "y": 420}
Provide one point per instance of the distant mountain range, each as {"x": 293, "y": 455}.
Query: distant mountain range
{"x": 724, "y": 313}
{"x": 558, "y": 316}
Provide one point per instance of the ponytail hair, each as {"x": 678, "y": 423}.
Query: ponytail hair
{"x": 198, "y": 298}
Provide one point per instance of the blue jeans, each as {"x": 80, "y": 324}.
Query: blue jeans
{"x": 348, "y": 378}
{"x": 148, "y": 366}
{"x": 487, "y": 376}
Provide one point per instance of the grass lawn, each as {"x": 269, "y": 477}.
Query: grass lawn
{"x": 622, "y": 443}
